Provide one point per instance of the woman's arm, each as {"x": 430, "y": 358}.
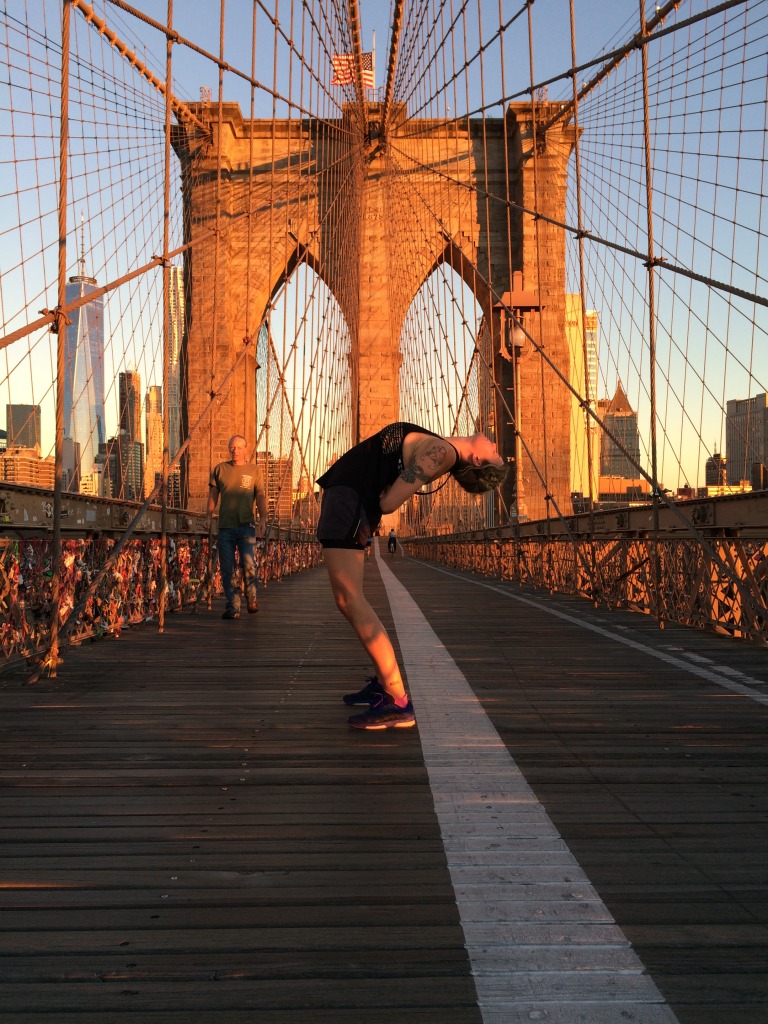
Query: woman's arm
{"x": 432, "y": 457}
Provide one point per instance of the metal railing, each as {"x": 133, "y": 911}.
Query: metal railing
{"x": 721, "y": 585}
{"x": 128, "y": 594}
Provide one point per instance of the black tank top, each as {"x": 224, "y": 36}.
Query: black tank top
{"x": 372, "y": 465}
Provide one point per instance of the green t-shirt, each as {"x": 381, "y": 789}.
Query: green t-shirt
{"x": 237, "y": 487}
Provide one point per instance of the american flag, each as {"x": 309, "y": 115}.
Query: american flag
{"x": 344, "y": 69}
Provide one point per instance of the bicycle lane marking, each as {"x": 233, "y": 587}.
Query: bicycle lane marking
{"x": 542, "y": 944}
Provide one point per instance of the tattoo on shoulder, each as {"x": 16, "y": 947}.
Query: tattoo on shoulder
{"x": 426, "y": 465}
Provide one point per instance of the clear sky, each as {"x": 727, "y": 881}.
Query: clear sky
{"x": 28, "y": 206}
{"x": 600, "y": 25}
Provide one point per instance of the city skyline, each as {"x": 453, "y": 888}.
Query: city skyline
{"x": 133, "y": 330}
{"x": 140, "y": 429}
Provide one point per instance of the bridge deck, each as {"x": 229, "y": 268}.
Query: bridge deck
{"x": 191, "y": 833}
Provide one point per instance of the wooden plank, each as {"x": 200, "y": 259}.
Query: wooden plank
{"x": 655, "y": 779}
{"x": 188, "y": 822}
{"x": 320, "y": 1015}
{"x": 199, "y": 797}
{"x": 479, "y": 791}
{"x": 220, "y": 995}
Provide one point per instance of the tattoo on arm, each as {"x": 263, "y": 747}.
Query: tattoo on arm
{"x": 426, "y": 465}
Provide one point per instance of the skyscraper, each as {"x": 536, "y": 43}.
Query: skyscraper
{"x": 70, "y": 466}
{"x": 585, "y": 439}
{"x": 175, "y": 338}
{"x": 173, "y": 398}
{"x": 131, "y": 447}
{"x": 108, "y": 462}
{"x": 129, "y": 416}
{"x": 715, "y": 472}
{"x": 746, "y": 440}
{"x": 84, "y": 371}
{"x": 153, "y": 465}
{"x": 23, "y": 426}
{"x": 621, "y": 420}
{"x": 131, "y": 469}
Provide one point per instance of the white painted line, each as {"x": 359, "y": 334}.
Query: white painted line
{"x": 711, "y": 675}
{"x": 542, "y": 945}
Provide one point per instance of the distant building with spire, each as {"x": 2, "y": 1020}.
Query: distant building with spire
{"x": 84, "y": 371}
{"x": 715, "y": 470}
{"x": 620, "y": 420}
{"x": 620, "y": 479}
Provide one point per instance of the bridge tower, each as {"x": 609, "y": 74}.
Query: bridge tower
{"x": 259, "y": 196}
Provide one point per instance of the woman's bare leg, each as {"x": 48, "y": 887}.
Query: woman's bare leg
{"x": 345, "y": 570}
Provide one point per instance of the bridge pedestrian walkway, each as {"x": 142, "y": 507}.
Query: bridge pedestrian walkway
{"x": 575, "y": 832}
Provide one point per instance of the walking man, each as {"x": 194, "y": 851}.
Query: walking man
{"x": 239, "y": 485}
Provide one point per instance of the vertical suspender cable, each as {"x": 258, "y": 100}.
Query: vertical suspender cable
{"x": 215, "y": 310}
{"x": 357, "y": 50}
{"x": 651, "y": 317}
{"x": 397, "y": 19}
{"x": 491, "y": 510}
{"x": 249, "y": 243}
{"x": 589, "y": 385}
{"x": 534, "y": 144}
{"x": 163, "y": 583}
{"x": 508, "y": 284}
{"x": 61, "y": 333}
{"x": 273, "y": 202}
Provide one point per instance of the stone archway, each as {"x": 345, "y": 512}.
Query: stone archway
{"x": 284, "y": 190}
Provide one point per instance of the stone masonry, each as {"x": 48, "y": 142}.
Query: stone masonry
{"x": 374, "y": 220}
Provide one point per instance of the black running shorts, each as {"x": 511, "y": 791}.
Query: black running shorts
{"x": 343, "y": 523}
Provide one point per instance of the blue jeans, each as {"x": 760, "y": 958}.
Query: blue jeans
{"x": 242, "y": 539}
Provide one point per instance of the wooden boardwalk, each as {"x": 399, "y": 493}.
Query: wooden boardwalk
{"x": 191, "y": 834}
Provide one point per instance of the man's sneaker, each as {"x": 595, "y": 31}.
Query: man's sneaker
{"x": 384, "y": 714}
{"x": 253, "y": 605}
{"x": 230, "y": 614}
{"x": 369, "y": 693}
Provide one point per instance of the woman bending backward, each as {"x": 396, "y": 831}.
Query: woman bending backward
{"x": 370, "y": 480}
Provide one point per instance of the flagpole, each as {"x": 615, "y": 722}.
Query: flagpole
{"x": 373, "y": 56}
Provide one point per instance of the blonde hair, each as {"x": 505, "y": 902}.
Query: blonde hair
{"x": 479, "y": 479}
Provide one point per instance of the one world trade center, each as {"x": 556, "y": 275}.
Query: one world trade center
{"x": 84, "y": 373}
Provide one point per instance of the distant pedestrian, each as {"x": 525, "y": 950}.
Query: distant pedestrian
{"x": 370, "y": 480}
{"x": 239, "y": 485}
{"x": 392, "y": 541}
